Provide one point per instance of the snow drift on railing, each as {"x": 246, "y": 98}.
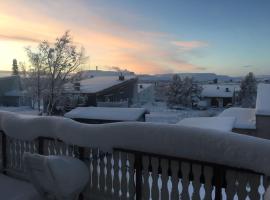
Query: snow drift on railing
{"x": 213, "y": 146}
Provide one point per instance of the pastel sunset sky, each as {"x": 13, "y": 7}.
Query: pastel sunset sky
{"x": 145, "y": 36}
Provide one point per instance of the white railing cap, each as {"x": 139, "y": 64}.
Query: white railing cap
{"x": 206, "y": 145}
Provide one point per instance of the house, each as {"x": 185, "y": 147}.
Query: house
{"x": 102, "y": 115}
{"x": 255, "y": 122}
{"x": 146, "y": 93}
{"x": 217, "y": 95}
{"x": 247, "y": 121}
{"x": 11, "y": 92}
{"x": 98, "y": 89}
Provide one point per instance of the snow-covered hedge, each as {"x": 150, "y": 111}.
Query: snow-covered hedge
{"x": 225, "y": 148}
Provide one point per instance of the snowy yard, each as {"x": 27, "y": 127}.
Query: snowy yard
{"x": 22, "y": 110}
{"x": 161, "y": 114}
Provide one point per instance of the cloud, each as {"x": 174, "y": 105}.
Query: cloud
{"x": 19, "y": 38}
{"x": 107, "y": 41}
{"x": 189, "y": 45}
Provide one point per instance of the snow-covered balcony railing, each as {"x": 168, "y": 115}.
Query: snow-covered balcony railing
{"x": 143, "y": 160}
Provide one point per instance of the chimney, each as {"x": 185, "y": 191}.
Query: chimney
{"x": 121, "y": 77}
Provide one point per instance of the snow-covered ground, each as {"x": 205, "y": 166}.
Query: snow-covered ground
{"x": 22, "y": 110}
{"x": 161, "y": 114}
{"x": 158, "y": 112}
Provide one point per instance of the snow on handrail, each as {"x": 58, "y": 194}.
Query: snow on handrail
{"x": 224, "y": 148}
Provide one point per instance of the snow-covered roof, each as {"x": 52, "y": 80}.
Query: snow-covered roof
{"x": 216, "y": 90}
{"x": 106, "y": 113}
{"x": 215, "y": 123}
{"x": 245, "y": 117}
{"x": 263, "y": 99}
{"x": 143, "y": 86}
{"x": 98, "y": 83}
{"x": 206, "y": 145}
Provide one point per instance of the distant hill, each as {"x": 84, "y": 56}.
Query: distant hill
{"x": 93, "y": 73}
{"x": 5, "y": 73}
{"x": 200, "y": 77}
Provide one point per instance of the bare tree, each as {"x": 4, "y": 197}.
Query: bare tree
{"x": 58, "y": 61}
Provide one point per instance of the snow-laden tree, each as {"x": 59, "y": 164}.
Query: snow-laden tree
{"x": 58, "y": 60}
{"x": 248, "y": 91}
{"x": 182, "y": 92}
{"x": 175, "y": 91}
{"x": 190, "y": 92}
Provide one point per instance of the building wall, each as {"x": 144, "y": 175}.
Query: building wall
{"x": 263, "y": 126}
{"x": 146, "y": 95}
{"x": 122, "y": 92}
{"x": 251, "y": 132}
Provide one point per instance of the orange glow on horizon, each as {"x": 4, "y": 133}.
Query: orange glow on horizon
{"x": 134, "y": 51}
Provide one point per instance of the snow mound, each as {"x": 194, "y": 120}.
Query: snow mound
{"x": 106, "y": 113}
{"x": 263, "y": 100}
{"x": 214, "y": 146}
{"x": 245, "y": 117}
{"x": 13, "y": 189}
{"x": 215, "y": 123}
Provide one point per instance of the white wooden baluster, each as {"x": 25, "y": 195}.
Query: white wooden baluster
{"x": 15, "y": 153}
{"x": 180, "y": 181}
{"x": 128, "y": 176}
{"x": 112, "y": 173}
{"x": 54, "y": 147}
{"x": 190, "y": 185}
{"x": 105, "y": 172}
{"x": 49, "y": 147}
{"x": 35, "y": 147}
{"x": 160, "y": 184}
{"x": 98, "y": 169}
{"x": 262, "y": 187}
{"x": 10, "y": 157}
{"x": 20, "y": 153}
{"x": 202, "y": 190}
{"x": 120, "y": 174}
{"x": 91, "y": 168}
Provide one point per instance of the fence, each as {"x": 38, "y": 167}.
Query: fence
{"x": 128, "y": 174}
